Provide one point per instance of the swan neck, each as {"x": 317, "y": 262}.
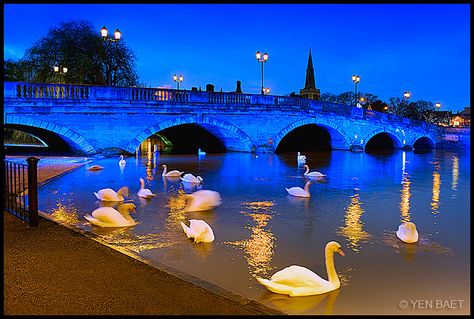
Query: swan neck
{"x": 331, "y": 270}
{"x": 164, "y": 170}
{"x": 142, "y": 184}
{"x": 307, "y": 170}
{"x": 306, "y": 187}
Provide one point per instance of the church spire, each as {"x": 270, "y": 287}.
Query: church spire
{"x": 310, "y": 83}
{"x": 310, "y": 91}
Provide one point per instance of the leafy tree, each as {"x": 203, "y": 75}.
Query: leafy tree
{"x": 78, "y": 46}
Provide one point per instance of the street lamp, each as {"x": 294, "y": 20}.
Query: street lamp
{"x": 104, "y": 32}
{"x": 355, "y": 79}
{"x": 438, "y": 105}
{"x": 262, "y": 58}
{"x": 178, "y": 79}
{"x": 406, "y": 95}
{"x": 61, "y": 71}
{"x": 266, "y": 90}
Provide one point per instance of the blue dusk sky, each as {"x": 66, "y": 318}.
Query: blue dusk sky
{"x": 421, "y": 48}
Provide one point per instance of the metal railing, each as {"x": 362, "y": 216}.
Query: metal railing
{"x": 21, "y": 190}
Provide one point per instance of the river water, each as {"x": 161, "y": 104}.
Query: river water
{"x": 260, "y": 229}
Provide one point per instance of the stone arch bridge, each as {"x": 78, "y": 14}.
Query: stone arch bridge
{"x": 93, "y": 118}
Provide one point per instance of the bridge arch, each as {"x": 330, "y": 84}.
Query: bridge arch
{"x": 233, "y": 138}
{"x": 397, "y": 141}
{"x": 339, "y": 138}
{"x": 72, "y": 138}
{"x": 421, "y": 138}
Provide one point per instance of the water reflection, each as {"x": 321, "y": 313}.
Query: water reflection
{"x": 259, "y": 247}
{"x": 405, "y": 198}
{"x": 323, "y": 303}
{"x": 353, "y": 227}
{"x": 436, "y": 189}
{"x": 455, "y": 173}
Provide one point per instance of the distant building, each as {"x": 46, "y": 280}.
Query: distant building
{"x": 310, "y": 91}
{"x": 462, "y": 119}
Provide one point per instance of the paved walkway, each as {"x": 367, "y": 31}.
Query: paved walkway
{"x": 53, "y": 270}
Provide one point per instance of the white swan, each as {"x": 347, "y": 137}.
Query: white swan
{"x": 110, "y": 217}
{"x": 95, "y": 168}
{"x": 201, "y": 152}
{"x": 300, "y": 281}
{"x": 190, "y": 178}
{"x": 109, "y": 195}
{"x": 407, "y": 232}
{"x": 122, "y": 161}
{"x": 144, "y": 192}
{"x": 298, "y": 191}
{"x": 173, "y": 173}
{"x": 199, "y": 230}
{"x": 202, "y": 200}
{"x": 312, "y": 174}
{"x": 301, "y": 159}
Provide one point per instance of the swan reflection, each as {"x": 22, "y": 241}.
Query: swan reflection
{"x": 323, "y": 303}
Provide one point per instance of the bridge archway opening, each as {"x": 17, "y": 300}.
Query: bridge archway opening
{"x": 184, "y": 139}
{"x": 381, "y": 142}
{"x": 423, "y": 144}
{"x": 24, "y": 139}
{"x": 305, "y": 138}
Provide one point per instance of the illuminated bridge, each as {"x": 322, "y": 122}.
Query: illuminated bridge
{"x": 91, "y": 119}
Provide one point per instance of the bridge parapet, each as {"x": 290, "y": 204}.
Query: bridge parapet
{"x": 99, "y": 94}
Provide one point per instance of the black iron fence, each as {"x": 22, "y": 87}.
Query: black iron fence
{"x": 21, "y": 190}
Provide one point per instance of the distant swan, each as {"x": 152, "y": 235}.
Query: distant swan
{"x": 407, "y": 232}
{"x": 300, "y": 281}
{"x": 312, "y": 174}
{"x": 190, "y": 178}
{"x": 95, "y": 168}
{"x": 202, "y": 200}
{"x": 144, "y": 192}
{"x": 110, "y": 217}
{"x": 122, "y": 162}
{"x": 298, "y": 191}
{"x": 199, "y": 230}
{"x": 301, "y": 159}
{"x": 201, "y": 152}
{"x": 173, "y": 173}
{"x": 109, "y": 195}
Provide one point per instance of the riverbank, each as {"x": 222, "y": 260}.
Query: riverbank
{"x": 54, "y": 270}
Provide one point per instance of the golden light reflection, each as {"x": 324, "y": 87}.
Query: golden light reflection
{"x": 352, "y": 229}
{"x": 455, "y": 172}
{"x": 149, "y": 163}
{"x": 436, "y": 189}
{"x": 259, "y": 247}
{"x": 405, "y": 198}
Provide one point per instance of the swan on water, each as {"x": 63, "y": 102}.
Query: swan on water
{"x": 300, "y": 281}
{"x": 298, "y": 191}
{"x": 109, "y": 195}
{"x": 145, "y": 192}
{"x": 173, "y": 173}
{"x": 111, "y": 217}
{"x": 407, "y": 232}
{"x": 190, "y": 178}
{"x": 199, "y": 230}
{"x": 122, "y": 161}
{"x": 202, "y": 200}
{"x": 312, "y": 174}
{"x": 301, "y": 159}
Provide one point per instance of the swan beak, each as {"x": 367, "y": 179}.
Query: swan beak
{"x": 340, "y": 252}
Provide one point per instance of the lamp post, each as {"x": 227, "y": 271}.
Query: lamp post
{"x": 178, "y": 79}
{"x": 117, "y": 36}
{"x": 60, "y": 71}
{"x": 406, "y": 95}
{"x": 355, "y": 79}
{"x": 104, "y": 32}
{"x": 262, "y": 58}
{"x": 266, "y": 91}
{"x": 438, "y": 105}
